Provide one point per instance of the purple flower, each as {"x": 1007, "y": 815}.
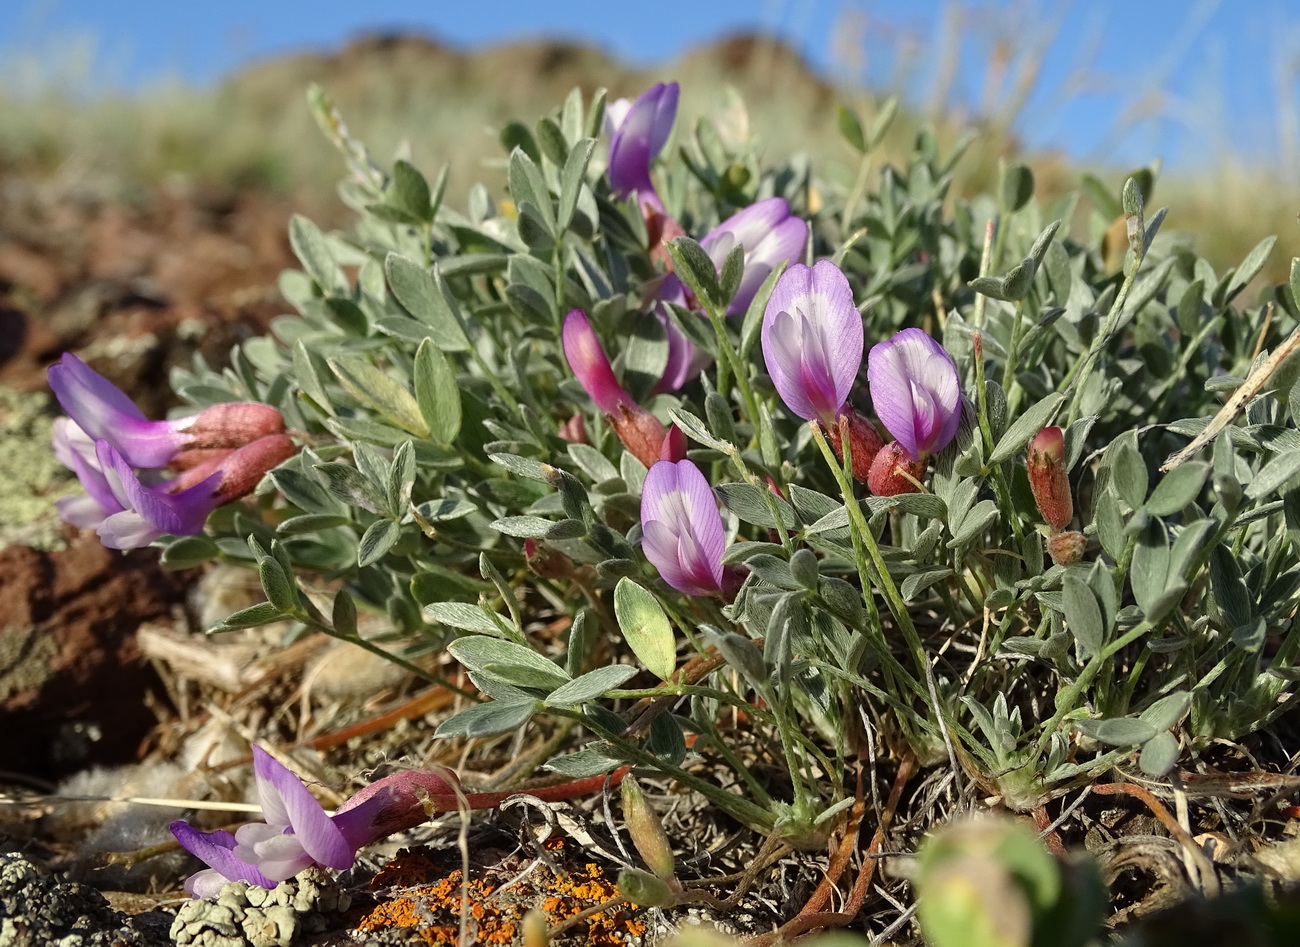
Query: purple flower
{"x": 915, "y": 391}
{"x": 682, "y": 528}
{"x": 685, "y": 361}
{"x": 812, "y": 340}
{"x": 127, "y": 512}
{"x": 639, "y": 136}
{"x": 770, "y": 235}
{"x": 296, "y": 833}
{"x": 103, "y": 412}
{"x": 639, "y": 430}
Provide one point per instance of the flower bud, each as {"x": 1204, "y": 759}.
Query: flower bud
{"x": 865, "y": 441}
{"x": 674, "y": 445}
{"x": 1048, "y": 478}
{"x": 1066, "y": 548}
{"x": 241, "y": 470}
{"x": 894, "y": 471}
{"x": 574, "y": 430}
{"x": 644, "y": 889}
{"x": 547, "y": 562}
{"x": 647, "y": 832}
{"x": 640, "y": 431}
{"x": 232, "y": 424}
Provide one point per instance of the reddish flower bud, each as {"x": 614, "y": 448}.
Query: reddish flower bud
{"x": 547, "y": 562}
{"x": 241, "y": 470}
{"x": 647, "y": 832}
{"x": 674, "y": 445}
{"x": 640, "y": 431}
{"x": 574, "y": 430}
{"x": 894, "y": 471}
{"x": 232, "y": 424}
{"x": 1048, "y": 478}
{"x": 865, "y": 442}
{"x": 1066, "y": 548}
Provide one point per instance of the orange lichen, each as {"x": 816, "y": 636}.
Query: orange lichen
{"x": 433, "y": 907}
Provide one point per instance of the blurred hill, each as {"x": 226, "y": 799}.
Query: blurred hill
{"x": 442, "y": 105}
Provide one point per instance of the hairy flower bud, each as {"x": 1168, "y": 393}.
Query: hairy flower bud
{"x": 232, "y": 424}
{"x": 241, "y": 470}
{"x": 647, "y": 832}
{"x": 641, "y": 433}
{"x": 1048, "y": 478}
{"x": 1066, "y": 548}
{"x": 894, "y": 471}
{"x": 865, "y": 442}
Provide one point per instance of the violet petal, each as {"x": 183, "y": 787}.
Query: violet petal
{"x": 286, "y": 801}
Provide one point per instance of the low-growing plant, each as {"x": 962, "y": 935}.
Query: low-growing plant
{"x": 635, "y": 396}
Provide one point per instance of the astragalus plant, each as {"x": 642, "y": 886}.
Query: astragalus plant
{"x": 637, "y": 396}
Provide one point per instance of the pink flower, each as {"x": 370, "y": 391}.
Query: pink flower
{"x": 296, "y": 833}
{"x": 915, "y": 391}
{"x": 812, "y": 340}
{"x": 129, "y": 509}
{"x": 770, "y": 235}
{"x": 638, "y": 135}
{"x": 639, "y": 430}
{"x": 103, "y": 412}
{"x": 683, "y": 535}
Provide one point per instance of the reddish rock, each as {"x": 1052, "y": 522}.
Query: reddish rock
{"x": 72, "y": 678}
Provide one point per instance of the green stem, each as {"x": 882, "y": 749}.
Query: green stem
{"x": 1067, "y": 700}
{"x": 731, "y": 358}
{"x": 738, "y": 806}
{"x": 862, "y": 534}
{"x": 1082, "y": 368}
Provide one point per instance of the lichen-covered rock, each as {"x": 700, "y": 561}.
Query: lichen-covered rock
{"x": 245, "y": 915}
{"x": 37, "y": 910}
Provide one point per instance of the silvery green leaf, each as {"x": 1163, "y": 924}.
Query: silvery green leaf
{"x": 991, "y": 286}
{"x": 696, "y": 430}
{"x": 851, "y": 129}
{"x": 571, "y": 181}
{"x": 1110, "y": 523}
{"x": 645, "y": 628}
{"x": 1149, "y": 571}
{"x": 507, "y": 661}
{"x": 1278, "y": 475}
{"x": 812, "y": 505}
{"x": 593, "y": 463}
{"x": 377, "y": 390}
{"x": 448, "y": 508}
{"x": 753, "y": 321}
{"x": 1129, "y": 473}
{"x": 591, "y": 685}
{"x": 1250, "y": 267}
{"x": 186, "y": 552}
{"x": 587, "y": 762}
{"x": 924, "y": 506}
{"x": 1015, "y": 186}
{"x": 746, "y": 657}
{"x": 773, "y": 570}
{"x": 1229, "y": 592}
{"x": 489, "y": 719}
{"x": 313, "y": 251}
{"x": 718, "y": 411}
{"x": 1120, "y": 731}
{"x": 1166, "y": 711}
{"x": 263, "y": 613}
{"x": 352, "y": 487}
{"x": 421, "y": 294}
{"x": 694, "y": 268}
{"x": 437, "y": 394}
{"x": 1033, "y": 420}
{"x": 749, "y": 504}
{"x": 378, "y": 538}
{"x": 1083, "y": 616}
{"x": 523, "y": 527}
{"x": 465, "y": 617}
{"x": 279, "y": 588}
{"x": 742, "y": 550}
{"x": 343, "y": 617}
{"x": 528, "y": 188}
{"x": 523, "y": 466}
{"x": 918, "y": 582}
{"x": 981, "y": 516}
{"x": 401, "y": 478}
{"x": 1159, "y": 754}
{"x": 409, "y": 191}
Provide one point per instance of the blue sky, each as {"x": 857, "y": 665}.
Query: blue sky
{"x": 1122, "y": 81}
